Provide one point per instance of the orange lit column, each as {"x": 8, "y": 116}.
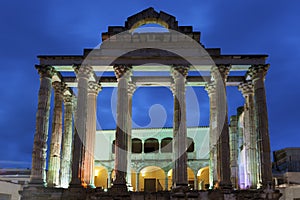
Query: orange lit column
{"x": 56, "y": 136}
{"x": 66, "y": 159}
{"x": 93, "y": 90}
{"x": 83, "y": 74}
{"x": 123, "y": 74}
{"x": 39, "y": 154}
{"x": 211, "y": 90}
{"x": 258, "y": 73}
{"x": 219, "y": 74}
{"x": 180, "y": 179}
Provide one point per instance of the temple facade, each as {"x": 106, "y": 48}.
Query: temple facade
{"x": 235, "y": 155}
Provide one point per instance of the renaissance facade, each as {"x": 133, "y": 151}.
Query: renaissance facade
{"x": 78, "y": 153}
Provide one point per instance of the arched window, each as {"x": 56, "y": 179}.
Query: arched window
{"x": 136, "y": 145}
{"x": 113, "y": 146}
{"x": 166, "y": 145}
{"x": 190, "y": 145}
{"x": 151, "y": 145}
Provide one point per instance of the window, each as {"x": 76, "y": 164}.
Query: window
{"x": 166, "y": 145}
{"x": 113, "y": 146}
{"x": 190, "y": 145}
{"x": 151, "y": 145}
{"x": 136, "y": 146}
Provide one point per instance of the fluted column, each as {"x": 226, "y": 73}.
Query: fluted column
{"x": 211, "y": 90}
{"x": 83, "y": 74}
{"x": 56, "y": 136}
{"x": 219, "y": 75}
{"x": 123, "y": 74}
{"x": 38, "y": 167}
{"x": 66, "y": 158}
{"x": 93, "y": 90}
{"x": 131, "y": 90}
{"x": 257, "y": 73}
{"x": 234, "y": 150}
{"x": 250, "y": 135}
{"x": 180, "y": 179}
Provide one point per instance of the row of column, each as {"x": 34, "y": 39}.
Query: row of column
{"x": 223, "y": 172}
{"x": 62, "y": 140}
{"x": 85, "y": 128}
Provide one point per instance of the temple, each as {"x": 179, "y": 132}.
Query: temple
{"x": 229, "y": 158}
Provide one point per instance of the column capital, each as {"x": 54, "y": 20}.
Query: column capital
{"x": 122, "y": 71}
{"x": 179, "y": 71}
{"x": 58, "y": 87}
{"x": 246, "y": 88}
{"x": 220, "y": 71}
{"x": 46, "y": 71}
{"x": 94, "y": 87}
{"x": 83, "y": 71}
{"x": 131, "y": 88}
{"x": 258, "y": 71}
{"x": 68, "y": 99}
{"x": 210, "y": 88}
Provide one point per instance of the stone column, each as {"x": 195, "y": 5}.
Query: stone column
{"x": 93, "y": 89}
{"x": 211, "y": 90}
{"x": 65, "y": 169}
{"x": 123, "y": 74}
{"x": 131, "y": 90}
{"x": 55, "y": 145}
{"x": 219, "y": 75}
{"x": 83, "y": 74}
{"x": 166, "y": 181}
{"x": 250, "y": 132}
{"x": 137, "y": 181}
{"x": 257, "y": 73}
{"x": 234, "y": 149}
{"x": 38, "y": 167}
{"x": 195, "y": 181}
{"x": 109, "y": 179}
{"x": 180, "y": 179}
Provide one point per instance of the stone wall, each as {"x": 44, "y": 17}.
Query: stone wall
{"x": 42, "y": 193}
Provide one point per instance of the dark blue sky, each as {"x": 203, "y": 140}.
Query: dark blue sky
{"x": 30, "y": 28}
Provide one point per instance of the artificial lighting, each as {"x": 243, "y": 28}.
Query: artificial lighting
{"x": 96, "y": 172}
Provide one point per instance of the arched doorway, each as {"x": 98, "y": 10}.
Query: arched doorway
{"x": 203, "y": 178}
{"x": 101, "y": 177}
{"x": 191, "y": 178}
{"x": 151, "y": 179}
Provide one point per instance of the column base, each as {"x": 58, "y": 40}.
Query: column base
{"x": 118, "y": 188}
{"x": 225, "y": 187}
{"x": 37, "y": 183}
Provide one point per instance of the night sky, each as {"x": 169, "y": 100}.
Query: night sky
{"x": 31, "y": 28}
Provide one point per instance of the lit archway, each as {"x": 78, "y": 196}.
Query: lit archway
{"x": 203, "y": 178}
{"x": 151, "y": 179}
{"x": 191, "y": 178}
{"x": 101, "y": 177}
